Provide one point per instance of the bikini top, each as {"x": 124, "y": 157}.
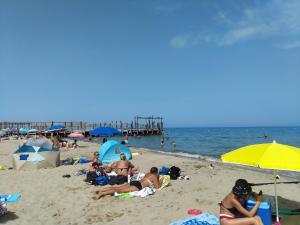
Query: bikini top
{"x": 233, "y": 210}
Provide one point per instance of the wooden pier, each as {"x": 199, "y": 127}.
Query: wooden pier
{"x": 139, "y": 126}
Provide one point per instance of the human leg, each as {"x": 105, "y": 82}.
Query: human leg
{"x": 243, "y": 221}
{"x": 111, "y": 190}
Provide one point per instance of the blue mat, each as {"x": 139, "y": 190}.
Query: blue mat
{"x": 202, "y": 219}
{"x": 10, "y": 198}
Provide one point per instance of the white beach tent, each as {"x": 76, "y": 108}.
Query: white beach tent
{"x": 36, "y": 153}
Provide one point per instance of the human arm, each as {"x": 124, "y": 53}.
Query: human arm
{"x": 235, "y": 203}
{"x": 156, "y": 182}
{"x": 130, "y": 167}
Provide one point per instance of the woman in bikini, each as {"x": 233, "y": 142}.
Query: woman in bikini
{"x": 151, "y": 180}
{"x": 231, "y": 206}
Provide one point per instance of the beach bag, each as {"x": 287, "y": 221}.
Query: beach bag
{"x": 102, "y": 180}
{"x": 119, "y": 179}
{"x": 91, "y": 177}
{"x": 174, "y": 172}
{"x": 3, "y": 209}
{"x": 164, "y": 170}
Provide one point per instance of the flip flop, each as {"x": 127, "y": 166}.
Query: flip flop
{"x": 66, "y": 176}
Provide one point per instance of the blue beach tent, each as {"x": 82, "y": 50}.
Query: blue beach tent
{"x": 110, "y": 151}
{"x": 56, "y": 127}
{"x": 105, "y": 131}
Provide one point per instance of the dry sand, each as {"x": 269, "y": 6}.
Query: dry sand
{"x": 48, "y": 198}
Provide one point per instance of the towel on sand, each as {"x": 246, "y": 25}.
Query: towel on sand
{"x": 142, "y": 193}
{"x": 166, "y": 181}
{"x": 10, "y": 198}
{"x": 145, "y": 191}
{"x": 203, "y": 219}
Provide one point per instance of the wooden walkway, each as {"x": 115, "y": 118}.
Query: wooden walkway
{"x": 139, "y": 126}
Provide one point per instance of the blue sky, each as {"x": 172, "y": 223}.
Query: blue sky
{"x": 196, "y": 63}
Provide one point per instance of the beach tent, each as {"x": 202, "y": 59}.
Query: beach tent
{"x": 105, "y": 131}
{"x": 110, "y": 151}
{"x": 56, "y": 127}
{"x": 23, "y": 130}
{"x": 36, "y": 153}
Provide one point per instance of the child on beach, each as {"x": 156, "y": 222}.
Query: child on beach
{"x": 231, "y": 206}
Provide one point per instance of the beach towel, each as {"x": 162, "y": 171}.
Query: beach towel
{"x": 289, "y": 212}
{"x": 166, "y": 181}
{"x": 137, "y": 176}
{"x": 10, "y": 198}
{"x": 205, "y": 218}
{"x": 123, "y": 195}
{"x": 143, "y": 193}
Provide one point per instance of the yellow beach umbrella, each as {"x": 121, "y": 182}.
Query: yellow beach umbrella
{"x": 266, "y": 156}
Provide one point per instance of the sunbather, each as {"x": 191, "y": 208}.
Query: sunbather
{"x": 231, "y": 206}
{"x": 151, "y": 180}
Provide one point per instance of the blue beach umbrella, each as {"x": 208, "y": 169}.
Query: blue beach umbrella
{"x": 56, "y": 127}
{"x": 105, "y": 131}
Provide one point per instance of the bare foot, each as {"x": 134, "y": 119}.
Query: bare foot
{"x": 97, "y": 192}
{"x": 97, "y": 197}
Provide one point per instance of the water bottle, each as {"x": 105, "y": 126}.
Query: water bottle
{"x": 128, "y": 178}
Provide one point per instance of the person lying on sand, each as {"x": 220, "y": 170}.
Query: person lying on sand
{"x": 231, "y": 206}
{"x": 151, "y": 180}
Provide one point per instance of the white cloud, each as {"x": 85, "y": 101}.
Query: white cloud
{"x": 179, "y": 41}
{"x": 292, "y": 44}
{"x": 188, "y": 40}
{"x": 275, "y": 19}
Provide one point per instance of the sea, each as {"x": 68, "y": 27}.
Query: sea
{"x": 211, "y": 142}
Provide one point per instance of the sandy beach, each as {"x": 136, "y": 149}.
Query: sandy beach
{"x": 48, "y": 198}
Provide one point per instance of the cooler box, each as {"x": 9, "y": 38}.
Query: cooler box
{"x": 263, "y": 211}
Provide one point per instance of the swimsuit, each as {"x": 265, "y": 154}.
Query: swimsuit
{"x": 122, "y": 168}
{"x": 136, "y": 184}
{"x": 233, "y": 210}
{"x": 225, "y": 216}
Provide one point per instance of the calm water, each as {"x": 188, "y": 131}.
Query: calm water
{"x": 213, "y": 142}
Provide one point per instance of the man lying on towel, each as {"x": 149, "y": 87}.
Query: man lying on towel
{"x": 151, "y": 180}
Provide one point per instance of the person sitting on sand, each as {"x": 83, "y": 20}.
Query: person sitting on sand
{"x": 151, "y": 180}
{"x": 231, "y": 206}
{"x": 95, "y": 157}
{"x": 74, "y": 144}
{"x": 123, "y": 166}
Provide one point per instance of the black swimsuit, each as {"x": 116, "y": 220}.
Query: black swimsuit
{"x": 233, "y": 210}
{"x": 136, "y": 184}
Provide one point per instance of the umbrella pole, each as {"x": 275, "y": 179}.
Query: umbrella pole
{"x": 276, "y": 199}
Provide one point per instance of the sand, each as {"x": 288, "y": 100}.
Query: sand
{"x": 48, "y": 198}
